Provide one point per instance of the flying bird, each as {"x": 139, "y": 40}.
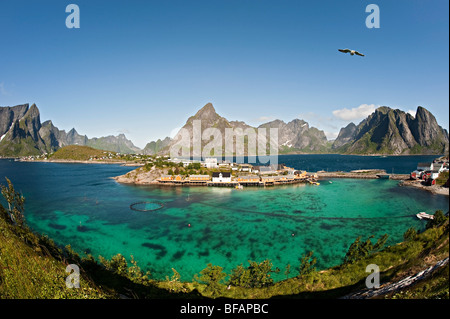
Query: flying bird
{"x": 352, "y": 52}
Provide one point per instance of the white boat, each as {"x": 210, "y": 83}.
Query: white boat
{"x": 423, "y": 215}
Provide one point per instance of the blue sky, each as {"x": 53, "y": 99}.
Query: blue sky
{"x": 143, "y": 67}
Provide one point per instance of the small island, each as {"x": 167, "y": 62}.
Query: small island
{"x": 210, "y": 172}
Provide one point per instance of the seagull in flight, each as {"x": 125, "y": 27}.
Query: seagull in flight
{"x": 352, "y": 52}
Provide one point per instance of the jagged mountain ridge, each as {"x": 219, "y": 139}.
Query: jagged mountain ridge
{"x": 392, "y": 131}
{"x": 295, "y": 136}
{"x": 23, "y": 134}
{"x": 385, "y": 131}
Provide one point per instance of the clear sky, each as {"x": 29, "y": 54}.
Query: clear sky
{"x": 143, "y": 67}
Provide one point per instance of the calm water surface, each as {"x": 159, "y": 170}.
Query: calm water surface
{"x": 82, "y": 206}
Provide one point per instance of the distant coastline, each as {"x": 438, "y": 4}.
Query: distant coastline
{"x": 123, "y": 163}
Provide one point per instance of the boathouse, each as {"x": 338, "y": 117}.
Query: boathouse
{"x": 248, "y": 180}
{"x": 221, "y": 177}
{"x": 165, "y": 179}
{"x": 199, "y": 178}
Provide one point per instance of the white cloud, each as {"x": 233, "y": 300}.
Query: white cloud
{"x": 359, "y": 112}
{"x": 412, "y": 112}
{"x": 331, "y": 135}
{"x": 265, "y": 118}
{"x": 174, "y": 132}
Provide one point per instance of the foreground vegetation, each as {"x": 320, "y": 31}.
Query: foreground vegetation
{"x": 33, "y": 266}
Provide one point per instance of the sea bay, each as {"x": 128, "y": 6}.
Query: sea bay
{"x": 80, "y": 205}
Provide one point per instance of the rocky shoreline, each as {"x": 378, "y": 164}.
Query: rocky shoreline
{"x": 435, "y": 189}
{"x": 140, "y": 177}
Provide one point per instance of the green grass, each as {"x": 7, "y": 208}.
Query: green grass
{"x": 442, "y": 178}
{"x": 79, "y": 153}
{"x": 28, "y": 271}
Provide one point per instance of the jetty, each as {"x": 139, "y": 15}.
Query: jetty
{"x": 363, "y": 174}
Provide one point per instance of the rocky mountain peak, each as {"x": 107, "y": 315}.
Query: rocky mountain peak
{"x": 206, "y": 112}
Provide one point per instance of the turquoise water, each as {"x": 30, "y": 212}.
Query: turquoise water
{"x": 80, "y": 205}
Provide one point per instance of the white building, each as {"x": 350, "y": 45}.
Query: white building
{"x": 210, "y": 162}
{"x": 434, "y": 173}
{"x": 221, "y": 177}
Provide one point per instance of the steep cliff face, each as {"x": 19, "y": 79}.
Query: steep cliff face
{"x": 22, "y": 137}
{"x": 51, "y": 136}
{"x": 9, "y": 115}
{"x": 389, "y": 131}
{"x": 346, "y": 134}
{"x": 425, "y": 128}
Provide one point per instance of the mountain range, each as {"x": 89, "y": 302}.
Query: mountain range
{"x": 23, "y": 134}
{"x": 392, "y": 131}
{"x": 293, "y": 136}
{"x": 385, "y": 131}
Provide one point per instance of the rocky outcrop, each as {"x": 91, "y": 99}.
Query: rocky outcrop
{"x": 346, "y": 134}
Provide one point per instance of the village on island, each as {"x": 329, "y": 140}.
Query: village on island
{"x": 223, "y": 173}
{"x": 227, "y": 174}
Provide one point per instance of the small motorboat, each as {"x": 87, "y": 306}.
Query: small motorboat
{"x": 423, "y": 215}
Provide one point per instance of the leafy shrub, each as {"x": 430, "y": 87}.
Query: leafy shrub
{"x": 257, "y": 275}
{"x": 307, "y": 264}
{"x": 212, "y": 277}
{"x": 359, "y": 250}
